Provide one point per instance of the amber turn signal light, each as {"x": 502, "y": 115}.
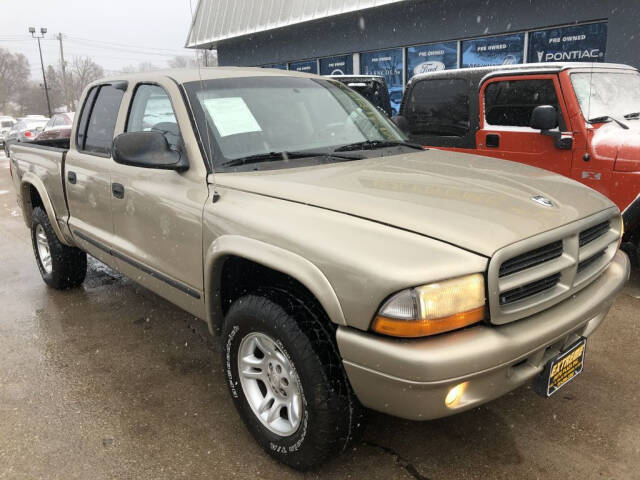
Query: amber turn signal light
{"x": 421, "y": 328}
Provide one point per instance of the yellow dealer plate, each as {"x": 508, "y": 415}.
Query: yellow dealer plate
{"x": 562, "y": 369}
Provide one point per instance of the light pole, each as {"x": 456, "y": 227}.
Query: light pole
{"x": 32, "y": 31}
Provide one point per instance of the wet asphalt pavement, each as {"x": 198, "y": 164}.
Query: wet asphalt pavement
{"x": 111, "y": 381}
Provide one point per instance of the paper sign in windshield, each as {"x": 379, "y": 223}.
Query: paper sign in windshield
{"x": 231, "y": 116}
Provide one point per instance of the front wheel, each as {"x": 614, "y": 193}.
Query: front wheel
{"x": 61, "y": 266}
{"x": 287, "y": 381}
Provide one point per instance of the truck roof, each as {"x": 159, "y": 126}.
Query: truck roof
{"x": 185, "y": 75}
{"x": 520, "y": 69}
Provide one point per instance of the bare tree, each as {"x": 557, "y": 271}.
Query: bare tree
{"x": 14, "y": 76}
{"x": 182, "y": 61}
{"x": 83, "y": 71}
{"x": 31, "y": 100}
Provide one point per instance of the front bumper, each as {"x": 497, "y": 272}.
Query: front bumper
{"x": 411, "y": 378}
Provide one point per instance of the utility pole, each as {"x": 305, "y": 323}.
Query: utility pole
{"x": 63, "y": 66}
{"x": 32, "y": 31}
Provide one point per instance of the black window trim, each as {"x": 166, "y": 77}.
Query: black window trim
{"x": 118, "y": 85}
{"x": 133, "y": 97}
{"x": 460, "y": 78}
{"x": 562, "y": 121}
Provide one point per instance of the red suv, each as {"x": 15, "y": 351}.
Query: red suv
{"x": 581, "y": 120}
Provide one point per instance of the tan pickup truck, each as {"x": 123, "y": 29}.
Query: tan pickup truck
{"x": 342, "y": 266}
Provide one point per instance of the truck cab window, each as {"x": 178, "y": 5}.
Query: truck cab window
{"x": 102, "y": 122}
{"x": 438, "y": 107}
{"x": 510, "y": 102}
{"x": 151, "y": 110}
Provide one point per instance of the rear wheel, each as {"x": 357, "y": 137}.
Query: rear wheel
{"x": 287, "y": 381}
{"x": 61, "y": 266}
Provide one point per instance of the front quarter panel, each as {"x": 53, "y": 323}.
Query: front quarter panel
{"x": 363, "y": 262}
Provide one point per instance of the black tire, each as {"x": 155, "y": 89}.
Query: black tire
{"x": 331, "y": 415}
{"x": 68, "y": 264}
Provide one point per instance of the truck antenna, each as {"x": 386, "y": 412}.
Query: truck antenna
{"x": 209, "y": 151}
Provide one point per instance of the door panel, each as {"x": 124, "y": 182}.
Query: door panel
{"x": 88, "y": 172}
{"x": 89, "y": 200}
{"x": 505, "y": 108}
{"x": 157, "y": 214}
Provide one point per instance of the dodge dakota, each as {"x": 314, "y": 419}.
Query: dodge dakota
{"x": 342, "y": 266}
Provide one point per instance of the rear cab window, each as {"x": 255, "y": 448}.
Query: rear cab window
{"x": 438, "y": 107}
{"x": 510, "y": 102}
{"x": 98, "y": 120}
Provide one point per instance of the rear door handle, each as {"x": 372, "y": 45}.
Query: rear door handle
{"x": 72, "y": 177}
{"x": 118, "y": 190}
{"x": 493, "y": 140}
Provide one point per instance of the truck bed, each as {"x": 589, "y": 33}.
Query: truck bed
{"x": 43, "y": 167}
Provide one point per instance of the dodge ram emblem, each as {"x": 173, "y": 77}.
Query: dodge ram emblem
{"x": 545, "y": 202}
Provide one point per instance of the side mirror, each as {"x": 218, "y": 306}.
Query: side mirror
{"x": 148, "y": 150}
{"x": 544, "y": 117}
{"x": 401, "y": 122}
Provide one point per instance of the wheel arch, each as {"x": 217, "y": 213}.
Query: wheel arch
{"x": 34, "y": 194}
{"x": 277, "y": 260}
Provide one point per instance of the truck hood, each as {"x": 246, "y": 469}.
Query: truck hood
{"x": 477, "y": 203}
{"x": 613, "y": 143}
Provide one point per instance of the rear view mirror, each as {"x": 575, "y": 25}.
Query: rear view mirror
{"x": 544, "y": 117}
{"x": 401, "y": 122}
{"x": 148, "y": 150}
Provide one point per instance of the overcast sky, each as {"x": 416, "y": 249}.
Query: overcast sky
{"x": 115, "y": 33}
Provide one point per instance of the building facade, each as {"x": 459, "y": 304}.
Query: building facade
{"x": 400, "y": 38}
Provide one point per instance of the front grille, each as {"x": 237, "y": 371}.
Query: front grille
{"x": 532, "y": 275}
{"x": 590, "y": 261}
{"x": 529, "y": 289}
{"x": 531, "y": 259}
{"x": 590, "y": 234}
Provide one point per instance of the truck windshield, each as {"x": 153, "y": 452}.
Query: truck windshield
{"x": 606, "y": 95}
{"x": 271, "y": 119}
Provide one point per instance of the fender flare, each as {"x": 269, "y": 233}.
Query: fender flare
{"x": 28, "y": 181}
{"x": 270, "y": 256}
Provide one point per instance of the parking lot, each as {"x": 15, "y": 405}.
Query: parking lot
{"x": 111, "y": 381}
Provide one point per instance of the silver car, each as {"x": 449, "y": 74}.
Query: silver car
{"x": 6, "y": 124}
{"x": 25, "y": 130}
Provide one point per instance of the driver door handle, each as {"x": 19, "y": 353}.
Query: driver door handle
{"x": 118, "y": 190}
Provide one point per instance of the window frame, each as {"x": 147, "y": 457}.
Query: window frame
{"x": 485, "y": 125}
{"x": 464, "y": 81}
{"x": 133, "y": 97}
{"x": 92, "y": 101}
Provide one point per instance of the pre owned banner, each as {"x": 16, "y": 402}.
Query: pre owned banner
{"x": 341, "y": 65}
{"x": 308, "y": 66}
{"x": 431, "y": 58}
{"x": 577, "y": 43}
{"x": 388, "y": 64}
{"x": 501, "y": 50}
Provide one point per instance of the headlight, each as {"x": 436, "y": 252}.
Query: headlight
{"x": 433, "y": 308}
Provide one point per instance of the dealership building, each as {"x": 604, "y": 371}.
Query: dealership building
{"x": 400, "y": 38}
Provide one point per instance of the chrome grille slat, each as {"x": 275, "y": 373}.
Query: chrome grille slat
{"x": 531, "y": 259}
{"x": 597, "y": 245}
{"x": 592, "y": 233}
{"x": 535, "y": 273}
{"x": 590, "y": 261}
{"x": 530, "y": 289}
{"x": 532, "y": 275}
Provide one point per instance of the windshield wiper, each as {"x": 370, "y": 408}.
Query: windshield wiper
{"x": 374, "y": 144}
{"x": 607, "y": 118}
{"x": 632, "y": 116}
{"x": 284, "y": 155}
